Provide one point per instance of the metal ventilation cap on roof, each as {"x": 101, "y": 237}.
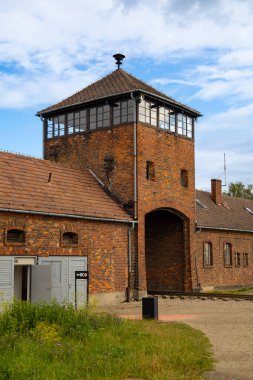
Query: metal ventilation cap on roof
{"x": 202, "y": 205}
{"x": 249, "y": 210}
{"x": 119, "y": 58}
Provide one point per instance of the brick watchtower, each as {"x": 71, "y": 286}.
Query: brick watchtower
{"x": 139, "y": 143}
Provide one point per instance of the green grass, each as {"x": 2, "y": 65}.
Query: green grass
{"x": 232, "y": 291}
{"x": 50, "y": 342}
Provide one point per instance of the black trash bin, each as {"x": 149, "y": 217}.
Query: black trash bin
{"x": 150, "y": 308}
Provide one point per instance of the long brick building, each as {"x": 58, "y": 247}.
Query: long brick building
{"x": 111, "y": 211}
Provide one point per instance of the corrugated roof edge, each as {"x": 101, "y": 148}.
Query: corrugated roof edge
{"x": 73, "y": 216}
{"x": 195, "y": 113}
{"x": 203, "y": 227}
{"x": 46, "y": 112}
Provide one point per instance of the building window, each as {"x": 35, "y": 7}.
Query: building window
{"x": 227, "y": 255}
{"x": 184, "y": 125}
{"x": 76, "y": 122}
{"x": 148, "y": 112}
{"x": 167, "y": 119}
{"x": 207, "y": 255}
{"x": 15, "y": 236}
{"x": 246, "y": 259}
{"x": 70, "y": 238}
{"x": 184, "y": 178}
{"x": 237, "y": 259}
{"x": 56, "y": 126}
{"x": 150, "y": 170}
{"x": 100, "y": 117}
{"x": 123, "y": 112}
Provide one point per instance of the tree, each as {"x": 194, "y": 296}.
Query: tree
{"x": 239, "y": 190}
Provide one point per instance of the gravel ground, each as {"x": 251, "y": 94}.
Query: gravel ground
{"x": 228, "y": 324}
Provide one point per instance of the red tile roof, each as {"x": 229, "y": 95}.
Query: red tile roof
{"x": 24, "y": 186}
{"x": 116, "y": 83}
{"x": 231, "y": 214}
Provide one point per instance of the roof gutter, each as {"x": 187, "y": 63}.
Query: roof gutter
{"x": 222, "y": 229}
{"x": 72, "y": 216}
{"x": 168, "y": 101}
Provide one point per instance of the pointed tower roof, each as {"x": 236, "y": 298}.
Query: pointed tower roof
{"x": 119, "y": 82}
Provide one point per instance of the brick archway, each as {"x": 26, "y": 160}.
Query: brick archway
{"x": 165, "y": 250}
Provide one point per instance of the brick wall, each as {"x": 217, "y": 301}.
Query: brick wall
{"x": 170, "y": 154}
{"x": 90, "y": 150}
{"x": 105, "y": 245}
{"x": 217, "y": 275}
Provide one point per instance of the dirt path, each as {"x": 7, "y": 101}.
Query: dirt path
{"x": 229, "y": 326}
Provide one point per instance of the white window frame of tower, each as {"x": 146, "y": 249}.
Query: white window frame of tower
{"x": 76, "y": 121}
{"x": 100, "y": 117}
{"x": 207, "y": 254}
{"x": 165, "y": 118}
{"x": 123, "y": 111}
{"x": 228, "y": 259}
{"x": 148, "y": 112}
{"x": 184, "y": 125}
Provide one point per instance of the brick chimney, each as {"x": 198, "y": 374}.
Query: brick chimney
{"x": 216, "y": 191}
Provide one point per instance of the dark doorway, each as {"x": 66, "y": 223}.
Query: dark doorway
{"x": 165, "y": 251}
{"x": 22, "y": 282}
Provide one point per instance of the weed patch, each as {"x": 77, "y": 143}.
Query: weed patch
{"x": 52, "y": 342}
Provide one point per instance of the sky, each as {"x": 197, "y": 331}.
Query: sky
{"x": 199, "y": 52}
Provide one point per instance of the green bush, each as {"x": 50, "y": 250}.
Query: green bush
{"x": 22, "y": 317}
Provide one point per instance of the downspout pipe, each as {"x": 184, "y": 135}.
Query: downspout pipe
{"x": 135, "y": 156}
{"x": 196, "y": 267}
{"x": 129, "y": 286}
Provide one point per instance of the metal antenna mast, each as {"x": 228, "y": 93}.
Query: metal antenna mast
{"x": 225, "y": 170}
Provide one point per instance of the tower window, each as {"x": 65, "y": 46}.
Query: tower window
{"x": 150, "y": 170}
{"x": 100, "y": 117}
{"x": 184, "y": 125}
{"x": 15, "y": 236}
{"x": 76, "y": 122}
{"x": 123, "y": 112}
{"x": 167, "y": 119}
{"x": 184, "y": 178}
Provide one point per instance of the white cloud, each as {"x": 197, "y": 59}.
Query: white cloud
{"x": 50, "y": 49}
{"x": 227, "y": 132}
{"x": 231, "y": 120}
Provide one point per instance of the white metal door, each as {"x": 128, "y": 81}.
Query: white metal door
{"x": 64, "y": 286}
{"x": 6, "y": 279}
{"x": 59, "y": 276}
{"x": 41, "y": 287}
{"x": 77, "y": 288}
